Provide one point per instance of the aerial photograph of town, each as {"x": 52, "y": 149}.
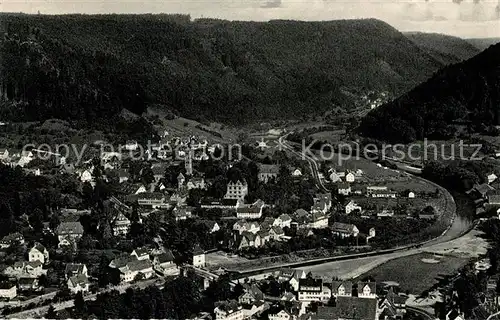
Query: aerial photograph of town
{"x": 250, "y": 159}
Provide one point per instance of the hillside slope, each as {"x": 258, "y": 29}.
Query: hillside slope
{"x": 90, "y": 67}
{"x": 483, "y": 43}
{"x": 468, "y": 92}
{"x": 444, "y": 48}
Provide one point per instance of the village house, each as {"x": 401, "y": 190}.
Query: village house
{"x": 78, "y": 283}
{"x": 350, "y": 177}
{"x": 283, "y": 221}
{"x": 324, "y": 197}
{"x": 121, "y": 225}
{"x": 385, "y": 213}
{"x": 295, "y": 279}
{"x": 131, "y": 145}
{"x": 25, "y": 157}
{"x": 4, "y": 154}
{"x": 251, "y": 294}
{"x": 163, "y": 260}
{"x": 344, "y": 189}
{"x": 28, "y": 284}
{"x": 255, "y": 309}
{"x": 141, "y": 253}
{"x": 135, "y": 267}
{"x": 38, "y": 253}
{"x": 311, "y": 289}
{"x": 317, "y": 220}
{"x": 208, "y": 203}
{"x": 196, "y": 183}
{"x": 367, "y": 290}
{"x": 268, "y": 172}
{"x": 352, "y": 206}
{"x": 237, "y": 190}
{"x": 344, "y": 230}
{"x": 182, "y": 213}
{"x": 282, "y": 314}
{"x": 74, "y": 269}
{"x": 26, "y": 269}
{"x": 12, "y": 239}
{"x": 242, "y": 226}
{"x": 8, "y": 290}
{"x": 212, "y": 226}
{"x": 198, "y": 257}
{"x": 153, "y": 200}
{"x": 380, "y": 192}
{"x": 250, "y": 211}
{"x": 86, "y": 175}
{"x": 132, "y": 188}
{"x": 296, "y": 172}
{"x": 276, "y": 233}
{"x": 68, "y": 233}
{"x": 491, "y": 178}
{"x": 341, "y": 289}
{"x": 411, "y": 195}
{"x": 319, "y": 206}
{"x": 248, "y": 239}
{"x": 229, "y": 311}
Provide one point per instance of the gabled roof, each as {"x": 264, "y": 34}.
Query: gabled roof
{"x": 78, "y": 280}
{"x": 372, "y": 285}
{"x": 347, "y": 287}
{"x": 285, "y": 217}
{"x": 139, "y": 265}
{"x": 143, "y": 251}
{"x": 165, "y": 257}
{"x": 73, "y": 227}
{"x": 197, "y": 250}
{"x": 310, "y": 282}
{"x": 38, "y": 246}
{"x": 343, "y": 227}
{"x": 74, "y": 268}
{"x": 16, "y": 236}
{"x": 301, "y": 212}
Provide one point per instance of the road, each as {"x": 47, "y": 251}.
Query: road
{"x": 312, "y": 162}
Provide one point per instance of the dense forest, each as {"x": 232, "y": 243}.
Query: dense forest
{"x": 466, "y": 93}
{"x": 88, "y": 68}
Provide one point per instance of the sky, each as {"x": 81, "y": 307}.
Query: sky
{"x": 463, "y": 18}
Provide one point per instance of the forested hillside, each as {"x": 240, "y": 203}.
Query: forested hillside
{"x": 466, "y": 93}
{"x": 87, "y": 68}
{"x": 444, "y": 48}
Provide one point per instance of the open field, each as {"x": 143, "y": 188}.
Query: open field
{"x": 470, "y": 245}
{"x": 329, "y": 136}
{"x": 408, "y": 271}
{"x": 220, "y": 258}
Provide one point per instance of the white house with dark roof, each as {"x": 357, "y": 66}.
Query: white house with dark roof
{"x": 341, "y": 288}
{"x": 229, "y": 311}
{"x": 250, "y": 211}
{"x": 74, "y": 269}
{"x": 236, "y": 190}
{"x": 344, "y": 188}
{"x": 352, "y": 206}
{"x": 38, "y": 253}
{"x": 367, "y": 290}
{"x": 78, "y": 283}
{"x": 8, "y": 290}
{"x": 284, "y": 220}
{"x": 68, "y": 233}
{"x": 135, "y": 267}
{"x": 198, "y": 257}
{"x": 121, "y": 224}
{"x": 344, "y": 230}
{"x": 4, "y": 154}
{"x": 141, "y": 253}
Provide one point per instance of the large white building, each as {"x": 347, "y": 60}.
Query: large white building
{"x": 236, "y": 190}
{"x": 311, "y": 289}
